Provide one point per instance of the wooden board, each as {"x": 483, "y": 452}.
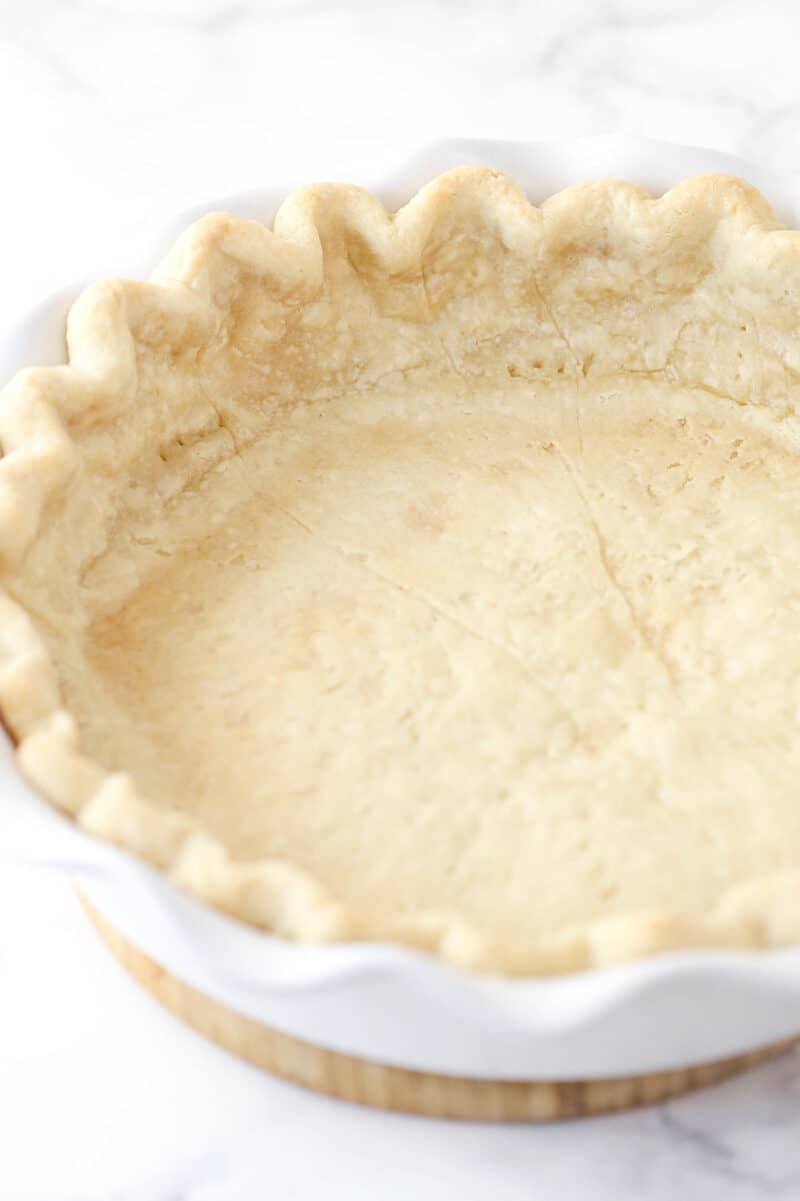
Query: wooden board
{"x": 393, "y": 1088}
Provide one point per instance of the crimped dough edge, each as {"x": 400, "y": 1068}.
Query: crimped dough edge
{"x": 186, "y": 298}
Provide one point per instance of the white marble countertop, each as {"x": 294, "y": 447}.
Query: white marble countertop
{"x": 111, "y": 108}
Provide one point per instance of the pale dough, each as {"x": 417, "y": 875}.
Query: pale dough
{"x": 457, "y": 605}
{"x": 480, "y": 656}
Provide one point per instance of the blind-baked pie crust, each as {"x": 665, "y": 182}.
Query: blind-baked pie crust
{"x": 430, "y": 578}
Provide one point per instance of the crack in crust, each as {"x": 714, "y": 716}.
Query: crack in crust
{"x": 608, "y": 569}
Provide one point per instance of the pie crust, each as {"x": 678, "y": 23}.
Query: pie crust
{"x": 432, "y": 577}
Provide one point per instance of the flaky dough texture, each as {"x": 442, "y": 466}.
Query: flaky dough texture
{"x": 243, "y": 339}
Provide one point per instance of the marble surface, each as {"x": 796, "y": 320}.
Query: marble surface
{"x": 113, "y": 110}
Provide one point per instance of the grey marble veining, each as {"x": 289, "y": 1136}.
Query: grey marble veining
{"x": 117, "y": 107}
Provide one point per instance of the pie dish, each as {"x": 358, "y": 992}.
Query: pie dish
{"x": 428, "y": 579}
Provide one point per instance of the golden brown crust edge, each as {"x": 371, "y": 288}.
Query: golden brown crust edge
{"x": 187, "y": 298}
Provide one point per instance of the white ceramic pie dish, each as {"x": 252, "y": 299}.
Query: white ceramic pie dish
{"x": 385, "y": 1003}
